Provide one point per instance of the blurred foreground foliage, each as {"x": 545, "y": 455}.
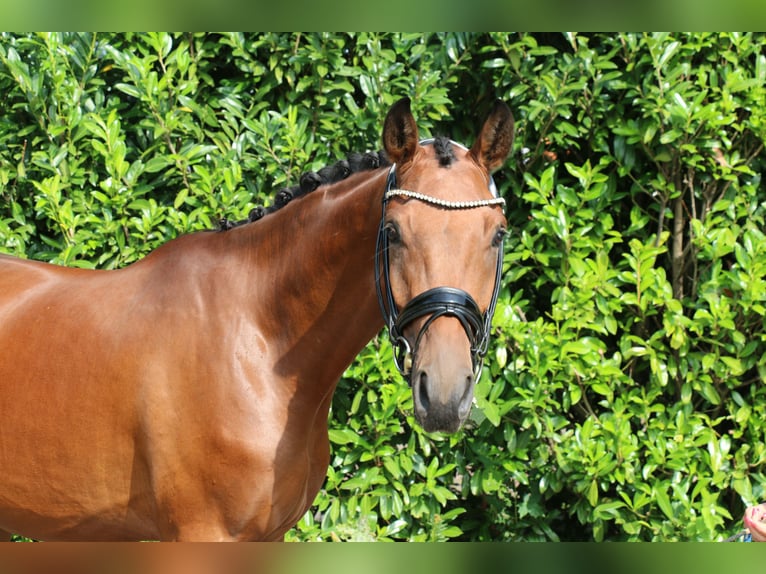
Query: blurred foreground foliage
{"x": 623, "y": 396}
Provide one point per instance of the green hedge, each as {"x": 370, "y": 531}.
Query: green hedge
{"x": 623, "y": 397}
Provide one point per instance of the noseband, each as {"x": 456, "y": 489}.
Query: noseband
{"x": 436, "y": 302}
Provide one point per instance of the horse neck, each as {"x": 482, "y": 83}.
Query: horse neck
{"x": 313, "y": 274}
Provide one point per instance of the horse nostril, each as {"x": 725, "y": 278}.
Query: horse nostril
{"x": 423, "y": 391}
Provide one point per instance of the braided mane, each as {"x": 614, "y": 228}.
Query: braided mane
{"x": 338, "y": 171}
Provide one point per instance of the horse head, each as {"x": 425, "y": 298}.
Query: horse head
{"x": 439, "y": 259}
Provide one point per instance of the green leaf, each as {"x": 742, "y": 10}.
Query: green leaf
{"x": 593, "y": 493}
{"x": 129, "y": 89}
{"x": 181, "y": 198}
{"x": 667, "y": 54}
{"x": 343, "y": 436}
{"x": 663, "y": 501}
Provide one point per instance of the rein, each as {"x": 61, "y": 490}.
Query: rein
{"x": 436, "y": 302}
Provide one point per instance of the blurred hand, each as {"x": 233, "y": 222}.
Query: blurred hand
{"x": 755, "y": 521}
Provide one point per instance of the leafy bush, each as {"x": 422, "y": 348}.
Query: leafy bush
{"x": 623, "y": 394}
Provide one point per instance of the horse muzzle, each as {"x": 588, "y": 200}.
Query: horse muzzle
{"x": 435, "y": 303}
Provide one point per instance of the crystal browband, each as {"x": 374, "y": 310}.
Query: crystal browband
{"x": 442, "y": 202}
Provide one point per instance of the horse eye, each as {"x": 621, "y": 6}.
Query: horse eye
{"x": 499, "y": 236}
{"x": 392, "y": 233}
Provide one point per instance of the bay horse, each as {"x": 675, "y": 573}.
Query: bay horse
{"x": 186, "y": 396}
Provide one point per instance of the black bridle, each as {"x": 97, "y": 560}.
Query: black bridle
{"x": 436, "y": 302}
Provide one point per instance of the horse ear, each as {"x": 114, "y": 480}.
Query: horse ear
{"x": 400, "y": 132}
{"x": 495, "y": 139}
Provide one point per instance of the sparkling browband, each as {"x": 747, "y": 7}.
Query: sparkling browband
{"x": 442, "y": 202}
